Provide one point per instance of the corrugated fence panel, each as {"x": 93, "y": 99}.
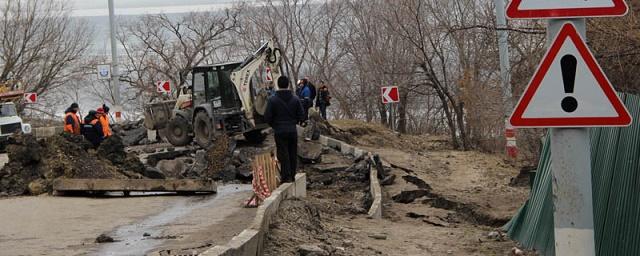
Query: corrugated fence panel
{"x": 616, "y": 193}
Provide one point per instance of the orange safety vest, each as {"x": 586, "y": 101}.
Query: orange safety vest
{"x": 73, "y": 128}
{"x": 106, "y": 129}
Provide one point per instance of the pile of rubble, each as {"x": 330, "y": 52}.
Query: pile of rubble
{"x": 224, "y": 161}
{"x": 132, "y": 133}
{"x": 35, "y": 163}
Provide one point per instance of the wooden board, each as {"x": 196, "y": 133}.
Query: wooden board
{"x": 141, "y": 185}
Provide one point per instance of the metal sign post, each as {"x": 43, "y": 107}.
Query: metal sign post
{"x": 572, "y": 189}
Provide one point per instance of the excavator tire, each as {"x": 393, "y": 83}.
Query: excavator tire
{"x": 178, "y": 132}
{"x": 203, "y": 129}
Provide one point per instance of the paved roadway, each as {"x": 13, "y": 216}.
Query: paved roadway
{"x": 48, "y": 225}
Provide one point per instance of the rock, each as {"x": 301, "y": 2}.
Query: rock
{"x": 516, "y": 252}
{"x": 146, "y": 234}
{"x": 171, "y": 168}
{"x": 37, "y": 187}
{"x": 326, "y": 168}
{"x": 104, "y": 239}
{"x": 134, "y": 136}
{"x": 244, "y": 174}
{"x": 149, "y": 150}
{"x": 144, "y": 141}
{"x": 389, "y": 180}
{"x": 379, "y": 236}
{"x": 495, "y": 235}
{"x": 406, "y": 197}
{"x": 435, "y": 221}
{"x": 153, "y": 159}
{"x": 309, "y": 152}
{"x": 421, "y": 184}
{"x": 188, "y": 160}
{"x": 311, "y": 250}
{"x": 154, "y": 173}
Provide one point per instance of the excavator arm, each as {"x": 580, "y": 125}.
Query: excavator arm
{"x": 267, "y": 58}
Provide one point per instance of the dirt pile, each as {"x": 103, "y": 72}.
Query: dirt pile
{"x": 35, "y": 163}
{"x": 376, "y": 135}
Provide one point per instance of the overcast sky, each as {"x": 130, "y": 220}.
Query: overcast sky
{"x": 137, "y": 7}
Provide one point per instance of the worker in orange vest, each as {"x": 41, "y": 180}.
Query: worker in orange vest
{"x": 103, "y": 117}
{"x": 71, "y": 120}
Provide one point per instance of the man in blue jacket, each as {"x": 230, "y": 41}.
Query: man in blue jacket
{"x": 284, "y": 112}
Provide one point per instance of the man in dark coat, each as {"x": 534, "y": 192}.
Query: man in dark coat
{"x": 284, "y": 111}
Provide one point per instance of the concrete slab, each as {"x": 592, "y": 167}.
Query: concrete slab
{"x": 333, "y": 143}
{"x": 346, "y": 149}
{"x": 375, "y": 211}
{"x": 146, "y": 185}
{"x": 301, "y": 185}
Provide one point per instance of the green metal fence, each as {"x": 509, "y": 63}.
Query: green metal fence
{"x": 616, "y": 193}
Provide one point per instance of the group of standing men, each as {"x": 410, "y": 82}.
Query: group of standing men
{"x": 307, "y": 93}
{"x": 95, "y": 126}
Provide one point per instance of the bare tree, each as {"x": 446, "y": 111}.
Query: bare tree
{"x": 39, "y": 44}
{"x": 160, "y": 46}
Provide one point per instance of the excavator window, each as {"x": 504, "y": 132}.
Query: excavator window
{"x": 213, "y": 89}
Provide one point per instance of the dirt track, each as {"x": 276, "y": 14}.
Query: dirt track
{"x": 49, "y": 225}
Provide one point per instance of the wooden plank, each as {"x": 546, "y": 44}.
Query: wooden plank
{"x": 142, "y": 185}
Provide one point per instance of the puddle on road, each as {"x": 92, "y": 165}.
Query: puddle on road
{"x": 130, "y": 237}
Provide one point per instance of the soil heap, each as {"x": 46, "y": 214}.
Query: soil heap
{"x": 35, "y": 163}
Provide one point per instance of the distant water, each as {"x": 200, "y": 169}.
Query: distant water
{"x": 98, "y": 19}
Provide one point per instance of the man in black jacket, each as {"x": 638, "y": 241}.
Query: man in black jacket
{"x": 284, "y": 111}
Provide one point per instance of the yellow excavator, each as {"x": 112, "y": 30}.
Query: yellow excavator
{"x": 228, "y": 98}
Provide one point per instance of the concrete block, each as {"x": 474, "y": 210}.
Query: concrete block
{"x": 333, "y": 143}
{"x": 358, "y": 153}
{"x": 152, "y": 135}
{"x": 375, "y": 211}
{"x": 246, "y": 243}
{"x": 301, "y": 185}
{"x": 324, "y": 140}
{"x": 346, "y": 149}
{"x": 43, "y": 132}
{"x": 218, "y": 250}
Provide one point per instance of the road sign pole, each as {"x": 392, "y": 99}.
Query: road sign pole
{"x": 505, "y": 75}
{"x": 115, "y": 73}
{"x": 572, "y": 187}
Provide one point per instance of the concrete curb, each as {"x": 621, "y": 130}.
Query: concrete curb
{"x": 375, "y": 211}
{"x": 43, "y": 132}
{"x": 250, "y": 242}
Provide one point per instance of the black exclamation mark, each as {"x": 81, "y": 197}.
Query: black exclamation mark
{"x": 568, "y": 63}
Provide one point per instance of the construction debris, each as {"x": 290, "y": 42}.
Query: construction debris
{"x": 132, "y": 132}
{"x": 35, "y": 163}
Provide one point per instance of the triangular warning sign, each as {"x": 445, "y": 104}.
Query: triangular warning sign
{"x": 537, "y": 9}
{"x": 569, "y": 89}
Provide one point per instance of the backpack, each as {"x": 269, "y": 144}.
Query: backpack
{"x": 314, "y": 92}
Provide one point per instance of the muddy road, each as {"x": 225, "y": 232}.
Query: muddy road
{"x": 47, "y": 225}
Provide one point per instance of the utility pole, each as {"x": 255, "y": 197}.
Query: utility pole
{"x": 505, "y": 77}
{"x": 115, "y": 72}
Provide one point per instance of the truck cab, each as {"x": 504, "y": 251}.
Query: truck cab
{"x": 10, "y": 122}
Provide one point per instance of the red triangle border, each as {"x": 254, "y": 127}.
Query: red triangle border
{"x": 620, "y": 8}
{"x": 569, "y": 31}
